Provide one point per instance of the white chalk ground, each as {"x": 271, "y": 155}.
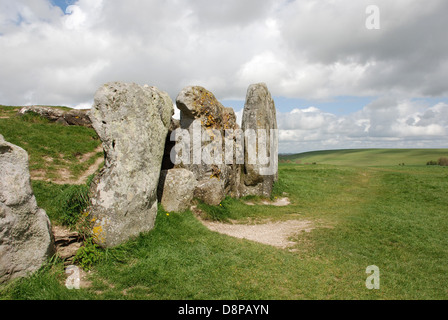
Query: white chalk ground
{"x": 280, "y": 202}
{"x": 276, "y": 234}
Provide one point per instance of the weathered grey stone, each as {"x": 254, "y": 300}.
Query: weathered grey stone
{"x": 50, "y": 113}
{"x": 176, "y": 188}
{"x": 67, "y": 243}
{"x": 78, "y": 117}
{"x": 208, "y": 129}
{"x": 132, "y": 122}
{"x": 210, "y": 190}
{"x": 259, "y": 113}
{"x": 26, "y": 240}
{"x": 75, "y": 117}
{"x": 204, "y": 116}
{"x": 196, "y": 102}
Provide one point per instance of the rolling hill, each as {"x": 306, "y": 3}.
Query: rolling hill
{"x": 367, "y": 157}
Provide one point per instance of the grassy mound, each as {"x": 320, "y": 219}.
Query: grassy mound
{"x": 367, "y": 157}
{"x": 54, "y": 150}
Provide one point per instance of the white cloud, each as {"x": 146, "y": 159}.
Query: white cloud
{"x": 303, "y": 49}
{"x": 84, "y": 105}
{"x": 239, "y": 117}
{"x": 305, "y": 119}
{"x": 383, "y": 123}
{"x": 83, "y": 15}
{"x": 176, "y": 114}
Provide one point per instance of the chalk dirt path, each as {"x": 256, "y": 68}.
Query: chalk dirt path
{"x": 276, "y": 234}
{"x": 280, "y": 202}
{"x": 92, "y": 169}
{"x": 64, "y": 175}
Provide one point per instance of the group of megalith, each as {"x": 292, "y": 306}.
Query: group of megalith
{"x": 135, "y": 124}
{"x": 150, "y": 157}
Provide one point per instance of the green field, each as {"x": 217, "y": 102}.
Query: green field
{"x": 379, "y": 213}
{"x": 368, "y": 157}
{"x": 53, "y": 149}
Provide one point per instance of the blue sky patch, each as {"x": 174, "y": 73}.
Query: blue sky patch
{"x": 63, "y": 4}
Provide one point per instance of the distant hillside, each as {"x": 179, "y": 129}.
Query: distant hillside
{"x": 368, "y": 157}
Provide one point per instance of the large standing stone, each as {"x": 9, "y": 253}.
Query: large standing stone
{"x": 259, "y": 114}
{"x": 26, "y": 240}
{"x": 176, "y": 189}
{"x": 132, "y": 122}
{"x": 207, "y": 120}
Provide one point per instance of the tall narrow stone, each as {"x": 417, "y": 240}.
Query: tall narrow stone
{"x": 26, "y": 239}
{"x": 132, "y": 122}
{"x": 261, "y": 152}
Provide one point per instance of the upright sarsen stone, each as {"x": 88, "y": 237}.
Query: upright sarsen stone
{"x": 132, "y": 122}
{"x": 207, "y": 121}
{"x": 26, "y": 239}
{"x": 259, "y": 115}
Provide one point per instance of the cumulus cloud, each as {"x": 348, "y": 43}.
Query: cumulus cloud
{"x": 304, "y": 49}
{"x": 386, "y": 122}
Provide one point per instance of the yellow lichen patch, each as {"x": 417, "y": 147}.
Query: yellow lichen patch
{"x": 216, "y": 173}
{"x": 208, "y": 108}
{"x": 210, "y": 121}
{"x": 97, "y": 232}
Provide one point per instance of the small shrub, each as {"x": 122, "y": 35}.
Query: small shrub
{"x": 83, "y": 225}
{"x": 87, "y": 255}
{"x": 431, "y": 163}
{"x": 443, "y": 161}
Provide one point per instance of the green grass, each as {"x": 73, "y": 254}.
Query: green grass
{"x": 52, "y": 148}
{"x": 8, "y": 111}
{"x": 368, "y": 157}
{"x": 64, "y": 204}
{"x": 394, "y": 217}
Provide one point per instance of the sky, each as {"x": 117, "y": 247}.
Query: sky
{"x": 337, "y": 82}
